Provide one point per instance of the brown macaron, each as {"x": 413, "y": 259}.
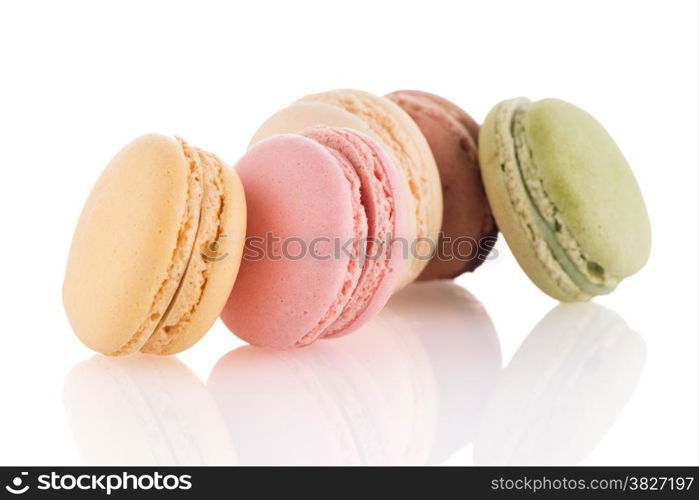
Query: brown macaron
{"x": 468, "y": 228}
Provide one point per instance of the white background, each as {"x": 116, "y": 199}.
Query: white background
{"x": 78, "y": 80}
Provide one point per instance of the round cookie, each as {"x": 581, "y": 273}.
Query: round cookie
{"x": 468, "y": 228}
{"x": 564, "y": 197}
{"x": 156, "y": 249}
{"x": 395, "y": 130}
{"x": 325, "y": 208}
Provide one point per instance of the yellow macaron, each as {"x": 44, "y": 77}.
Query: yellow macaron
{"x": 156, "y": 249}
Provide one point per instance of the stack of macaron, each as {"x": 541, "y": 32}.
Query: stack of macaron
{"x": 343, "y": 198}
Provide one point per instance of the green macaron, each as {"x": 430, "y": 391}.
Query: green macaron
{"x": 564, "y": 197}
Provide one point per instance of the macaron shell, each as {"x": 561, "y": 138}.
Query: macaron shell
{"x": 544, "y": 272}
{"x": 445, "y": 106}
{"x": 386, "y": 203}
{"x": 384, "y": 121}
{"x": 591, "y": 184}
{"x": 564, "y": 197}
{"x": 393, "y": 128}
{"x": 125, "y": 242}
{"x": 275, "y": 300}
{"x": 221, "y": 257}
{"x": 453, "y": 138}
{"x": 302, "y": 115}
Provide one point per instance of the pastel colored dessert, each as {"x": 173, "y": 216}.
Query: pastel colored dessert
{"x": 564, "y": 197}
{"x": 387, "y": 123}
{"x": 314, "y": 198}
{"x": 144, "y": 410}
{"x": 468, "y": 228}
{"x": 156, "y": 249}
{"x": 563, "y": 389}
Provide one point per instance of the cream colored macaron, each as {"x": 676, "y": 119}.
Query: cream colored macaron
{"x": 156, "y": 249}
{"x": 403, "y": 140}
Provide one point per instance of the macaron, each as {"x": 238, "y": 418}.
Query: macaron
{"x": 468, "y": 228}
{"x": 391, "y": 127}
{"x": 564, "y": 197}
{"x": 326, "y": 206}
{"x": 156, "y": 249}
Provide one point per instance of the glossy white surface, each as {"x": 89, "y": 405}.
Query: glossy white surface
{"x": 417, "y": 386}
{"x": 505, "y": 375}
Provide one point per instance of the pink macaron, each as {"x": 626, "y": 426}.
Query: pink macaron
{"x": 326, "y": 237}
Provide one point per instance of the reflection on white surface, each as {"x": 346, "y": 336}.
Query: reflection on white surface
{"x": 143, "y": 410}
{"x": 406, "y": 389}
{"x": 563, "y": 389}
{"x": 418, "y": 383}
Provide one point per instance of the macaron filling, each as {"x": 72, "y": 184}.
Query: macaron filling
{"x": 344, "y": 296}
{"x": 589, "y": 277}
{"x": 452, "y": 135}
{"x": 324, "y": 205}
{"x": 182, "y": 253}
{"x": 181, "y": 291}
{"x": 194, "y": 280}
{"x": 380, "y": 117}
{"x": 376, "y": 194}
